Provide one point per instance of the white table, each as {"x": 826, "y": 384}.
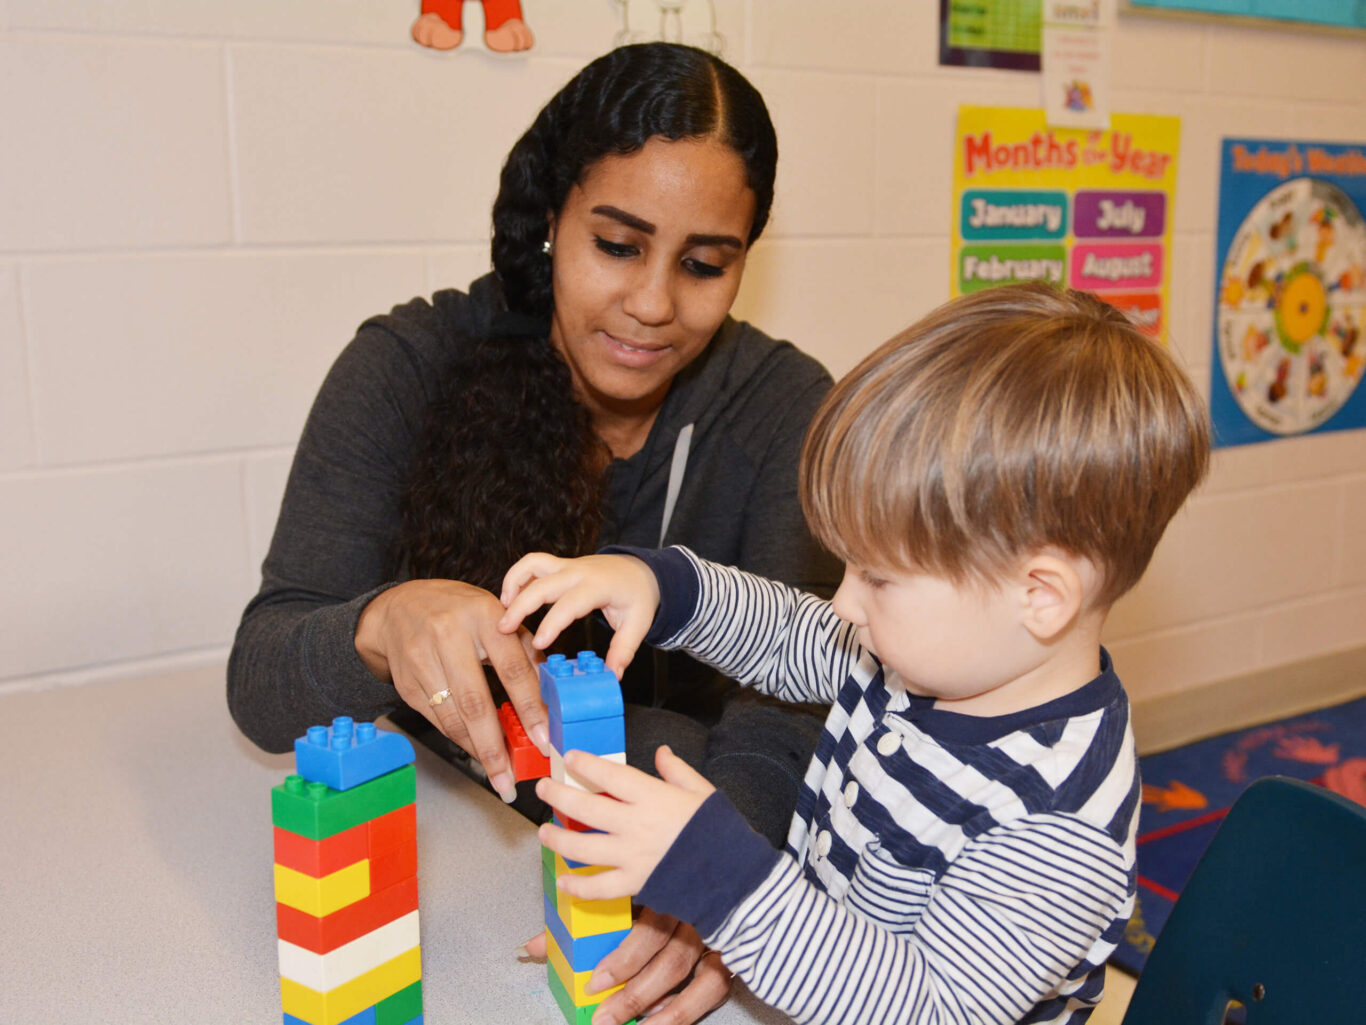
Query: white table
{"x": 136, "y": 880}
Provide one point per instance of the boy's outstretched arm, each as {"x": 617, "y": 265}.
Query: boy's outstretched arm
{"x": 1006, "y": 924}
{"x": 622, "y": 586}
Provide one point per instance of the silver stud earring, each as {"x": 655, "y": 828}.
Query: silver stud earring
{"x": 547, "y": 247}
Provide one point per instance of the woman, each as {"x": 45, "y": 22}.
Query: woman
{"x": 592, "y": 390}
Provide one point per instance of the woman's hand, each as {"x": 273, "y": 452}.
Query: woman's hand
{"x": 433, "y": 637}
{"x": 657, "y": 956}
{"x": 621, "y": 585}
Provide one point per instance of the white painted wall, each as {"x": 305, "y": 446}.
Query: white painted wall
{"x": 200, "y": 201}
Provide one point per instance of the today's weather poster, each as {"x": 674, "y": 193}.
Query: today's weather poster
{"x": 1087, "y": 208}
{"x": 1290, "y": 294}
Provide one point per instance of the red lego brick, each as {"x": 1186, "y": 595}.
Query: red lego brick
{"x": 397, "y": 827}
{"x": 393, "y": 866}
{"x": 527, "y": 760}
{"x": 318, "y": 858}
{"x": 321, "y": 935}
{"x": 566, "y": 822}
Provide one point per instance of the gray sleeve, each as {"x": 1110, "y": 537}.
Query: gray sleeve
{"x": 293, "y": 662}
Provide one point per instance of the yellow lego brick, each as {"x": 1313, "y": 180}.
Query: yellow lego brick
{"x": 321, "y": 897}
{"x": 590, "y": 917}
{"x": 574, "y": 982}
{"x": 562, "y": 868}
{"x": 349, "y": 999}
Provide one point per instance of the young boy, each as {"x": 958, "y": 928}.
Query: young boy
{"x": 963, "y": 850}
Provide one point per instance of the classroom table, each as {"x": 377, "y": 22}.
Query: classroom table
{"x": 136, "y": 879}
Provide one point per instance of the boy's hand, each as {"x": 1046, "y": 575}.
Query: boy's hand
{"x": 638, "y": 826}
{"x": 621, "y": 585}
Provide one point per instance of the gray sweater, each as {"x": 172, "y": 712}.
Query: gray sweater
{"x": 748, "y": 397}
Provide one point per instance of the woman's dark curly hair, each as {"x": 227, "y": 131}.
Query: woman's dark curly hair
{"x": 508, "y": 461}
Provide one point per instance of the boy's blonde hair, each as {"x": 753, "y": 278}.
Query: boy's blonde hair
{"x": 1006, "y": 421}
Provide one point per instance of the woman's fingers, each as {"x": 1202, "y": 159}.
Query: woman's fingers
{"x": 431, "y": 638}
{"x": 468, "y": 709}
{"x": 534, "y": 947}
{"x": 709, "y": 989}
{"x": 648, "y": 935}
{"x": 653, "y": 969}
{"x": 517, "y": 672}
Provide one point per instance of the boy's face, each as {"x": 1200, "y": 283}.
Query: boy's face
{"x": 945, "y": 640}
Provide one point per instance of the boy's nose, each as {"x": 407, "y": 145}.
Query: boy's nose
{"x": 844, "y": 603}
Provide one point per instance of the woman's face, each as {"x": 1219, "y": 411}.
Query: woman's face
{"x": 648, "y": 253}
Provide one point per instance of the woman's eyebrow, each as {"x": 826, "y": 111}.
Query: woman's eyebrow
{"x": 641, "y": 225}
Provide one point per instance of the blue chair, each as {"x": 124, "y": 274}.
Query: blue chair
{"x": 1274, "y": 917}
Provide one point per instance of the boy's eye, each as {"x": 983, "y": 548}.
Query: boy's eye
{"x": 876, "y": 583}
{"x": 621, "y": 250}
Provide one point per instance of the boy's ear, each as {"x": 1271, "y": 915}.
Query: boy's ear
{"x": 1053, "y": 590}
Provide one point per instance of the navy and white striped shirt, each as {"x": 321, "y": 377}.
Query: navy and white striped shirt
{"x": 940, "y": 868}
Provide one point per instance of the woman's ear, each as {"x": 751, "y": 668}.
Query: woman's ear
{"x": 1054, "y": 591}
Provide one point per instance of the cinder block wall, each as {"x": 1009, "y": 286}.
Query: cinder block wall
{"x": 200, "y": 201}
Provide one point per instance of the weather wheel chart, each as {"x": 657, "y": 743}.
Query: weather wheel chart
{"x": 1291, "y": 290}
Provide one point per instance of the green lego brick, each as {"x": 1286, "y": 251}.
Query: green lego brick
{"x": 402, "y": 1007}
{"x": 317, "y": 811}
{"x": 548, "y": 873}
{"x": 573, "y": 1015}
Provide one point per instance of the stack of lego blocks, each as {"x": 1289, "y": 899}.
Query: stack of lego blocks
{"x": 346, "y": 879}
{"x": 583, "y": 699}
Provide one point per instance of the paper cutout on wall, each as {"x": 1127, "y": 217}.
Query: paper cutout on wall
{"x": 692, "y": 22}
{"x": 440, "y": 25}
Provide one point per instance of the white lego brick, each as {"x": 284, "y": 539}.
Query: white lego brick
{"x": 562, "y": 775}
{"x": 324, "y": 972}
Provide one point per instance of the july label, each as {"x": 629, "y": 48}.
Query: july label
{"x": 1120, "y": 214}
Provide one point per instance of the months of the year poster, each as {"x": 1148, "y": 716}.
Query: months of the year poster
{"x": 1086, "y": 209}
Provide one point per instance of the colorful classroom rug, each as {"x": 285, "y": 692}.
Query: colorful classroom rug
{"x": 1187, "y": 791}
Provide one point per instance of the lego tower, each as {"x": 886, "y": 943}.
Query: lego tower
{"x": 346, "y": 879}
{"x": 583, "y": 699}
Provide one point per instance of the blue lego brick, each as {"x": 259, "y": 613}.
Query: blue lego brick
{"x": 596, "y": 736}
{"x": 583, "y": 952}
{"x": 347, "y": 754}
{"x": 583, "y": 691}
{"x": 366, "y": 1017}
{"x": 581, "y": 688}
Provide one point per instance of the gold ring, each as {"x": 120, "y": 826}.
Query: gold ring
{"x": 438, "y": 697}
